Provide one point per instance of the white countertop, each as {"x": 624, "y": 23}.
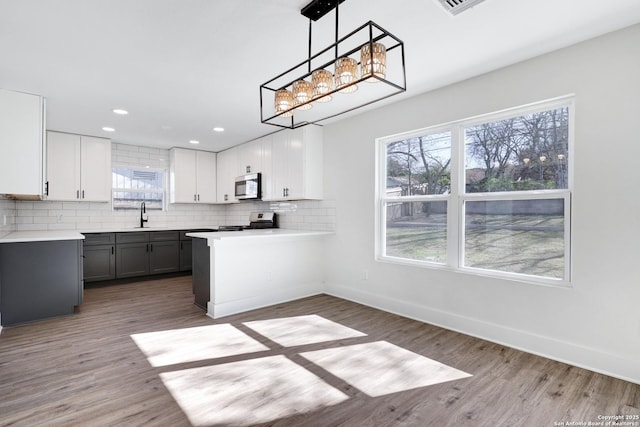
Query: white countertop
{"x": 40, "y": 236}
{"x": 260, "y": 233}
{"x": 132, "y": 229}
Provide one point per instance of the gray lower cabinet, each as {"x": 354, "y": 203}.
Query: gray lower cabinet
{"x": 132, "y": 260}
{"x": 142, "y": 253}
{"x": 201, "y": 275}
{"x": 39, "y": 280}
{"x": 164, "y": 256}
{"x": 186, "y": 254}
{"x": 99, "y": 257}
{"x": 185, "y": 250}
{"x": 123, "y": 255}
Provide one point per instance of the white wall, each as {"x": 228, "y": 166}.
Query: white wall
{"x": 596, "y": 323}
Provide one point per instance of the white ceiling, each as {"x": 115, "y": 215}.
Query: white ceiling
{"x": 181, "y": 67}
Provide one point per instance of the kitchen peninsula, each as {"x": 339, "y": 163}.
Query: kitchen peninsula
{"x": 237, "y": 271}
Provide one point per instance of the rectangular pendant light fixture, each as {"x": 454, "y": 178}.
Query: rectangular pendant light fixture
{"x": 365, "y": 66}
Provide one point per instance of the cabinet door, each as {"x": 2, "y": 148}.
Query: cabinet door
{"x": 250, "y": 157}
{"x": 99, "y": 263}
{"x": 132, "y": 259}
{"x": 164, "y": 257}
{"x": 294, "y": 182}
{"x": 267, "y": 168}
{"x": 276, "y": 181}
{"x": 63, "y": 166}
{"x": 201, "y": 275}
{"x": 22, "y": 153}
{"x": 206, "y": 176}
{"x": 182, "y": 176}
{"x": 95, "y": 169}
{"x": 185, "y": 255}
{"x": 227, "y": 172}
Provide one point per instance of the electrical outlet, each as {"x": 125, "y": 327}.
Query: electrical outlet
{"x": 365, "y": 274}
{"x": 4, "y": 220}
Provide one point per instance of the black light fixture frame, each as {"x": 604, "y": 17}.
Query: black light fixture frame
{"x": 315, "y": 10}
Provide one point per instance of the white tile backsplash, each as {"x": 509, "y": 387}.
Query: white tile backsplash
{"x": 7, "y": 216}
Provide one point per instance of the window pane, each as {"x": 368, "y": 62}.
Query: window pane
{"x": 528, "y": 152}
{"x": 517, "y": 236}
{"x": 134, "y": 186}
{"x": 420, "y": 165}
{"x": 417, "y": 230}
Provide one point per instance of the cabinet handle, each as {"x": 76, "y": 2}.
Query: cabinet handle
{"x": 46, "y": 188}
{"x": 198, "y": 197}
{"x": 112, "y": 250}
{"x": 194, "y": 197}
{"x": 147, "y": 247}
{"x": 83, "y": 194}
{"x": 151, "y": 247}
{"x": 226, "y": 197}
{"x": 77, "y": 194}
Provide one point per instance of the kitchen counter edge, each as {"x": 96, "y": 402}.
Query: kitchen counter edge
{"x": 259, "y": 233}
{"x": 40, "y": 236}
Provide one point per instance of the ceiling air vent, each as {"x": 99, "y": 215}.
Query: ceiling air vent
{"x": 456, "y": 6}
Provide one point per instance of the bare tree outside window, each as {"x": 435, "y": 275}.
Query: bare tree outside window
{"x": 528, "y": 152}
{"x": 419, "y": 166}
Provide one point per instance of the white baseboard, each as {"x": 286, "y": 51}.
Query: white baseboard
{"x": 573, "y": 354}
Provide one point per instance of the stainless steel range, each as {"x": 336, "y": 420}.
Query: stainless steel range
{"x": 257, "y": 220}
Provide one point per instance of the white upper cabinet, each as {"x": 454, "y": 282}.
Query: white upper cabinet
{"x": 22, "y": 154}
{"x": 250, "y": 157}
{"x": 295, "y": 164}
{"x": 227, "y": 173}
{"x": 192, "y": 176}
{"x": 78, "y": 167}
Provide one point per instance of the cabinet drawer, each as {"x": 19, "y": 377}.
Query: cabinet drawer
{"x": 133, "y": 237}
{"x": 99, "y": 239}
{"x": 158, "y": 236}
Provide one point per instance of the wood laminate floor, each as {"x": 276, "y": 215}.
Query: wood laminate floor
{"x": 143, "y": 354}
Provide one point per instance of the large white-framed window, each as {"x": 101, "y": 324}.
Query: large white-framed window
{"x": 488, "y": 195}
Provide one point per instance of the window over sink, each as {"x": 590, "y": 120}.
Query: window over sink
{"x": 133, "y": 186}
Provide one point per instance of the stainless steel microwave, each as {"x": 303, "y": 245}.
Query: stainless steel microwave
{"x": 248, "y": 187}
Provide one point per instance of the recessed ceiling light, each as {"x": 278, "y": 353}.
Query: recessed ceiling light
{"x": 120, "y": 111}
{"x": 218, "y": 129}
{"x": 193, "y": 141}
{"x": 108, "y": 129}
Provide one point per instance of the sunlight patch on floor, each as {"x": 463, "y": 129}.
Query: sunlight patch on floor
{"x": 302, "y": 330}
{"x": 381, "y": 368}
{"x": 170, "y": 347}
{"x": 248, "y": 392}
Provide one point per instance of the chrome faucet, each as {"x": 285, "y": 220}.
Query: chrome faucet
{"x": 143, "y": 210}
